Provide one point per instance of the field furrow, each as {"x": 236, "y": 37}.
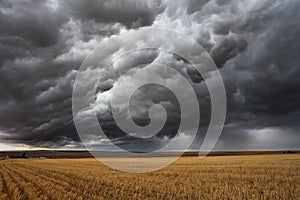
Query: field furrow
{"x": 93, "y": 186}
{"x": 29, "y": 190}
{"x": 13, "y": 188}
{"x": 51, "y": 188}
{"x": 4, "y": 194}
{"x": 262, "y": 177}
{"x": 64, "y": 180}
{"x": 29, "y": 184}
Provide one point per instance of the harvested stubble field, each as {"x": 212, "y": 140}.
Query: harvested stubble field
{"x": 220, "y": 177}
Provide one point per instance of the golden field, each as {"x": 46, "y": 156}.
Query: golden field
{"x": 220, "y": 177}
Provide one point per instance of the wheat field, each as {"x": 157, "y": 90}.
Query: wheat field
{"x": 220, "y": 177}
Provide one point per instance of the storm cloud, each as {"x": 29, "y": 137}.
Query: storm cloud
{"x": 255, "y": 44}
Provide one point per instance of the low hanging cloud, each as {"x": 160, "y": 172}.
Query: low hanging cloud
{"x": 255, "y": 45}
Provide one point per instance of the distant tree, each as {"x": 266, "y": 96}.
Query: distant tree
{"x": 23, "y": 155}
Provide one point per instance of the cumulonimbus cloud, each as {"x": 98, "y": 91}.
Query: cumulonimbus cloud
{"x": 254, "y": 43}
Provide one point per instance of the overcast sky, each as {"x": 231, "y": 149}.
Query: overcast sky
{"x": 255, "y": 44}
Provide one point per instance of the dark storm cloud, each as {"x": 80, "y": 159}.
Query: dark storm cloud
{"x": 131, "y": 13}
{"x": 42, "y": 45}
{"x": 254, "y": 43}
